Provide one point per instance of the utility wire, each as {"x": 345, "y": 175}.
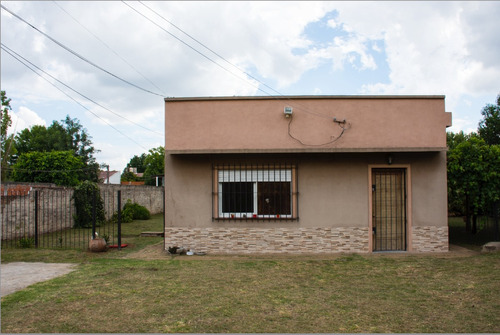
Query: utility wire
{"x": 48, "y": 171}
{"x": 78, "y": 55}
{"x": 283, "y": 97}
{"x": 191, "y": 47}
{"x": 84, "y": 96}
{"x": 109, "y": 48}
{"x": 14, "y": 56}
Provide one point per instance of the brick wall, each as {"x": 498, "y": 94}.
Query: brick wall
{"x": 275, "y": 240}
{"x": 18, "y": 209}
{"x": 150, "y": 197}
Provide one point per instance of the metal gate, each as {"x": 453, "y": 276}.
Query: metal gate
{"x": 389, "y": 209}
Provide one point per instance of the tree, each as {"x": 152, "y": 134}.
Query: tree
{"x": 86, "y": 195}
{"x": 7, "y": 142}
{"x": 130, "y": 176}
{"x": 138, "y": 162}
{"x": 455, "y": 195}
{"x": 474, "y": 176}
{"x": 155, "y": 165}
{"x": 58, "y": 167}
{"x": 489, "y": 127}
{"x": 67, "y": 135}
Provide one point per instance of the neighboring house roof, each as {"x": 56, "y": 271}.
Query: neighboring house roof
{"x": 16, "y": 190}
{"x": 104, "y": 174}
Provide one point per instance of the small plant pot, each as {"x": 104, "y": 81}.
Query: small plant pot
{"x": 97, "y": 245}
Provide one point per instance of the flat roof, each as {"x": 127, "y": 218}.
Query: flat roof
{"x": 297, "y": 97}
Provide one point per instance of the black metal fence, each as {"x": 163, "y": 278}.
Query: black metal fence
{"x": 44, "y": 218}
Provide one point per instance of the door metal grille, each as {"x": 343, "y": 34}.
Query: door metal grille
{"x": 389, "y": 209}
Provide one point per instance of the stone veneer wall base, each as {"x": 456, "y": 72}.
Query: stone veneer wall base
{"x": 430, "y": 239}
{"x": 265, "y": 241}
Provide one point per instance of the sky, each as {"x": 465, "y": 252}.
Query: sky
{"x": 110, "y": 64}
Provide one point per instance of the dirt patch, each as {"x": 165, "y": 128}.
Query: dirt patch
{"x": 156, "y": 251}
{"x": 18, "y": 275}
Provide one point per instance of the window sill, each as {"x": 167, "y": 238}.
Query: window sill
{"x": 255, "y": 219}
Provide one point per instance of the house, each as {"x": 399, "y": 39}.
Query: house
{"x": 110, "y": 177}
{"x": 306, "y": 174}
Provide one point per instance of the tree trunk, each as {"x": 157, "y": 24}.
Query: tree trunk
{"x": 474, "y": 224}
{"x": 467, "y": 214}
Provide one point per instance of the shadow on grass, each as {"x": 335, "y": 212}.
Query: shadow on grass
{"x": 458, "y": 235}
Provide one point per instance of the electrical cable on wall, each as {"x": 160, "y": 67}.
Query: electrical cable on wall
{"x": 342, "y": 124}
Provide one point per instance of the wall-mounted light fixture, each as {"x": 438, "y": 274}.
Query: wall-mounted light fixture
{"x": 389, "y": 159}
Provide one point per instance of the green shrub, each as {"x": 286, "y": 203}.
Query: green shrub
{"x": 83, "y": 205}
{"x": 138, "y": 212}
{"x": 132, "y": 211}
{"x": 26, "y": 242}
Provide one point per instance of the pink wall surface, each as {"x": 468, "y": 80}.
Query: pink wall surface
{"x": 258, "y": 124}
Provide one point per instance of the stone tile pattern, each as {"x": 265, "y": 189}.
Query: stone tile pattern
{"x": 430, "y": 239}
{"x": 273, "y": 240}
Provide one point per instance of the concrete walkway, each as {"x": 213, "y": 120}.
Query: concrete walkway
{"x": 18, "y": 275}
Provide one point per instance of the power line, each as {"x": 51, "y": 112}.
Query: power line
{"x": 190, "y": 46}
{"x": 209, "y": 49}
{"x": 78, "y": 55}
{"x": 38, "y": 74}
{"x": 280, "y": 95}
{"x": 109, "y": 48}
{"x": 48, "y": 171}
{"x": 84, "y": 96}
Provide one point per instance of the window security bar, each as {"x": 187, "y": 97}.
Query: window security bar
{"x": 255, "y": 192}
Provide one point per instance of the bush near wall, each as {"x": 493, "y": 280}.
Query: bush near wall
{"x": 132, "y": 211}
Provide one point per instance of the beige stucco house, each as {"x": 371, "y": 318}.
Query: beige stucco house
{"x": 306, "y": 174}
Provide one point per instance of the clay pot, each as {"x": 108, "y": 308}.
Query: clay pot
{"x": 97, "y": 245}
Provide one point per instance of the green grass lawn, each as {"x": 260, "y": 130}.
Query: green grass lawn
{"x": 349, "y": 293}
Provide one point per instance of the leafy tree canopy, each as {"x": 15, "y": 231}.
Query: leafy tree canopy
{"x": 151, "y": 164}
{"x": 474, "y": 168}
{"x": 138, "y": 162}
{"x": 67, "y": 135}
{"x": 7, "y": 141}
{"x": 58, "y": 167}
{"x": 489, "y": 127}
{"x": 155, "y": 165}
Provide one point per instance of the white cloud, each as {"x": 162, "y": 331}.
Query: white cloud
{"x": 431, "y": 47}
{"x": 24, "y": 118}
{"x": 446, "y": 48}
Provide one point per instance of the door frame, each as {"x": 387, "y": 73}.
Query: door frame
{"x": 408, "y": 202}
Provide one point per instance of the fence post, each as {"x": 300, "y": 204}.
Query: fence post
{"x": 164, "y": 219}
{"x": 496, "y": 213}
{"x": 36, "y": 219}
{"x": 93, "y": 214}
{"x": 119, "y": 219}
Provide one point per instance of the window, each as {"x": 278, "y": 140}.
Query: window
{"x": 255, "y": 192}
